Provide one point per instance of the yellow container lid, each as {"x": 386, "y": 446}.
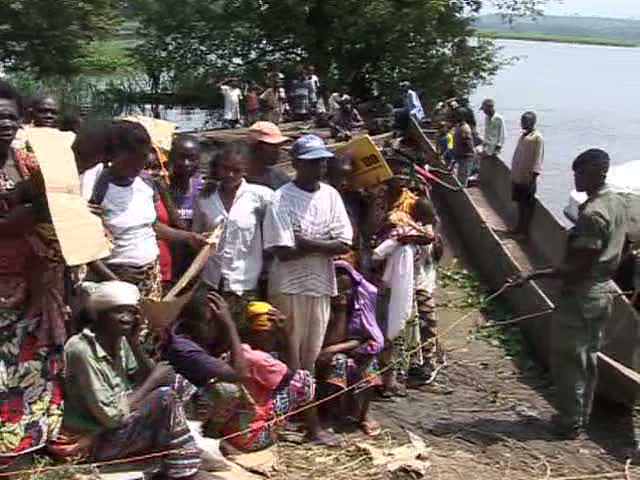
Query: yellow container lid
{"x": 258, "y": 308}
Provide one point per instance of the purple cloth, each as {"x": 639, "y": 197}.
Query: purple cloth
{"x": 184, "y": 202}
{"x": 189, "y": 359}
{"x": 362, "y": 323}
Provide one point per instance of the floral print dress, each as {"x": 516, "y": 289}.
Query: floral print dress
{"x": 32, "y": 316}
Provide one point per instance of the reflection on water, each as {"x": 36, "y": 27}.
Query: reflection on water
{"x": 585, "y": 96}
{"x": 186, "y": 118}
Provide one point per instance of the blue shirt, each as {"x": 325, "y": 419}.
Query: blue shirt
{"x": 413, "y": 105}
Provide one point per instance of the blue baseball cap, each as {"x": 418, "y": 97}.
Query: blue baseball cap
{"x": 310, "y": 147}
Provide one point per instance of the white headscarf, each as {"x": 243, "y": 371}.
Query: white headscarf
{"x": 106, "y": 295}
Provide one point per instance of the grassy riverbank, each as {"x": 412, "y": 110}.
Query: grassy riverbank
{"x": 541, "y": 37}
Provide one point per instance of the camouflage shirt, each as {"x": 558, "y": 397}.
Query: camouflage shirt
{"x": 601, "y": 226}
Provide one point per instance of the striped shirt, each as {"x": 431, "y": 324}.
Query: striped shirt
{"x": 319, "y": 215}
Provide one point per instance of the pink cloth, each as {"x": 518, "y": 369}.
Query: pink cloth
{"x": 263, "y": 371}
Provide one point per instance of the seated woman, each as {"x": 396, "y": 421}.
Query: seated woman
{"x": 118, "y": 403}
{"x": 243, "y": 392}
{"x": 352, "y": 341}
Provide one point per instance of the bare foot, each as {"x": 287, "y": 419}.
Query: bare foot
{"x": 324, "y": 438}
{"x": 212, "y": 463}
{"x": 370, "y": 427}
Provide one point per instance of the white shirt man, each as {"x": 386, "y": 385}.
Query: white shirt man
{"x": 493, "y": 129}
{"x": 304, "y": 214}
{"x": 232, "y": 97}
{"x": 237, "y": 262}
{"x": 412, "y": 103}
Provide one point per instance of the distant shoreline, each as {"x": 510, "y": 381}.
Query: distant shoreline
{"x": 541, "y": 37}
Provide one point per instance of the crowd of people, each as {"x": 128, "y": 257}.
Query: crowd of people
{"x": 305, "y": 295}
{"x": 463, "y": 149}
{"x": 314, "y": 288}
{"x": 304, "y": 98}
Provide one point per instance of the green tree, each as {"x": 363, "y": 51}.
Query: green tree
{"x": 49, "y": 37}
{"x": 368, "y": 44}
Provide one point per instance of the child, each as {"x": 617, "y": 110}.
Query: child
{"x": 445, "y": 143}
{"x": 426, "y": 259}
{"x": 407, "y": 233}
{"x": 352, "y": 341}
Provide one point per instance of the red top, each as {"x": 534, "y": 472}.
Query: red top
{"x": 252, "y": 102}
{"x": 15, "y": 252}
{"x": 163, "y": 245}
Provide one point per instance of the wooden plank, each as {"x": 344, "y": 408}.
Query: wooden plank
{"x": 419, "y": 136}
{"x": 626, "y": 371}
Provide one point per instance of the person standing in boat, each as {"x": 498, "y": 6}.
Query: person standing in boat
{"x": 493, "y": 132}
{"x": 314, "y": 83}
{"x": 232, "y": 95}
{"x": 412, "y": 103}
{"x": 300, "y": 95}
{"x": 525, "y": 168}
{"x": 594, "y": 251}
{"x": 464, "y": 152}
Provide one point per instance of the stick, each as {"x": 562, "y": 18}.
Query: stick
{"x": 626, "y": 371}
{"x": 516, "y": 320}
{"x": 196, "y": 265}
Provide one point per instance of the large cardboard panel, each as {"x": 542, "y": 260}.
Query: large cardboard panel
{"x": 80, "y": 233}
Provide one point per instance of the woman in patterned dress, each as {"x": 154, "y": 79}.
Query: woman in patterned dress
{"x": 32, "y": 310}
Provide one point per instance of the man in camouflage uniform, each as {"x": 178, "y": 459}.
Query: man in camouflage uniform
{"x": 593, "y": 254}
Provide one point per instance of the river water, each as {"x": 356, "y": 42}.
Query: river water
{"x": 585, "y": 96}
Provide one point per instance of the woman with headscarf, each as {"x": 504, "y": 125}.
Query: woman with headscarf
{"x": 120, "y": 403}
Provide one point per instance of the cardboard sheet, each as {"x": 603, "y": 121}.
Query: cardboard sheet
{"x": 80, "y": 233}
{"x": 369, "y": 166}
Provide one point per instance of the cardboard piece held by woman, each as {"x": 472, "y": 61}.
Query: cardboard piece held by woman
{"x": 80, "y": 233}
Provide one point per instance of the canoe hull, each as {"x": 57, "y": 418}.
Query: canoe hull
{"x": 475, "y": 215}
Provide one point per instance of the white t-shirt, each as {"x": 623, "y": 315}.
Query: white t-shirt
{"x": 315, "y": 87}
{"x": 318, "y": 215}
{"x": 128, "y": 213}
{"x": 238, "y": 258}
{"x": 425, "y": 269}
{"x": 232, "y": 97}
{"x": 88, "y": 179}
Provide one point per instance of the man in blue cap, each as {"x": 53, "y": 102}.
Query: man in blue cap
{"x": 305, "y": 227}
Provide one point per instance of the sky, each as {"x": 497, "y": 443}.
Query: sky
{"x": 600, "y": 8}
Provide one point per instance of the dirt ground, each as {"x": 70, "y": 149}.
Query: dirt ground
{"x": 486, "y": 419}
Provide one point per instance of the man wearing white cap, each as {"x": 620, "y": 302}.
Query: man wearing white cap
{"x": 119, "y": 404}
{"x": 306, "y": 226}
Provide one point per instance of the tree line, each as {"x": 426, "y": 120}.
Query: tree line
{"x": 368, "y": 45}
